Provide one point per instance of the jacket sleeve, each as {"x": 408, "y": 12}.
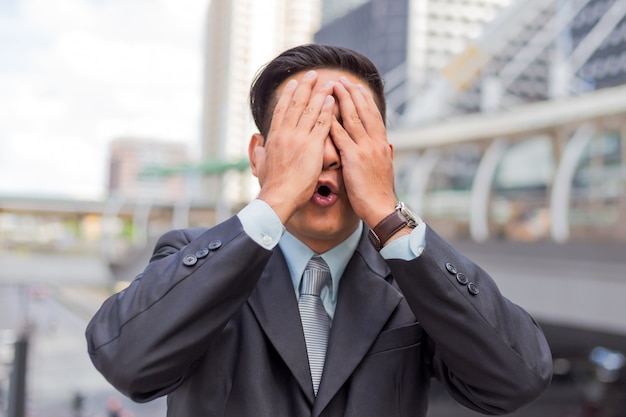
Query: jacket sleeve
{"x": 146, "y": 339}
{"x": 488, "y": 352}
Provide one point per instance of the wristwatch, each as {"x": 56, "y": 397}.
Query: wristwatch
{"x": 387, "y": 227}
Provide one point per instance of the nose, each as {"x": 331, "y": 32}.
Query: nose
{"x": 332, "y": 159}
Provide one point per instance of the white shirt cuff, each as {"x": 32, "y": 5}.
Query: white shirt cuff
{"x": 261, "y": 223}
{"x": 407, "y": 247}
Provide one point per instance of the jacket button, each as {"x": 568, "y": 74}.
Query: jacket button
{"x": 190, "y": 260}
{"x": 202, "y": 253}
{"x": 215, "y": 244}
{"x": 461, "y": 278}
{"x": 451, "y": 268}
{"x": 472, "y": 288}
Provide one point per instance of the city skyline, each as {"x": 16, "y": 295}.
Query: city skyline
{"x": 238, "y": 43}
{"x": 86, "y": 72}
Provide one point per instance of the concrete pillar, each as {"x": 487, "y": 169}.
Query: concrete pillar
{"x": 562, "y": 186}
{"x": 481, "y": 189}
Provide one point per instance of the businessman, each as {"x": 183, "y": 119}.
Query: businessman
{"x": 325, "y": 296}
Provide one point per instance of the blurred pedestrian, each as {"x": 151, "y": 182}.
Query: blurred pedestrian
{"x": 114, "y": 407}
{"x": 78, "y": 403}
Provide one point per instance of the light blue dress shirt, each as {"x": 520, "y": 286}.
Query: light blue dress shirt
{"x": 263, "y": 226}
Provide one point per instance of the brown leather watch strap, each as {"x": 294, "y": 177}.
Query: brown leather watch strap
{"x": 386, "y": 228}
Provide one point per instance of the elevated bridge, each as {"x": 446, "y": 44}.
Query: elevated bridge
{"x": 571, "y": 168}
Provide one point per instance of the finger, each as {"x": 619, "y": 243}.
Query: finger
{"x": 298, "y": 105}
{"x": 366, "y": 107}
{"x": 349, "y": 113}
{"x": 340, "y": 137}
{"x": 322, "y": 125}
{"x": 366, "y": 104}
{"x": 311, "y": 116}
{"x": 283, "y": 104}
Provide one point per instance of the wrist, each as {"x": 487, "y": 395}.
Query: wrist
{"x": 398, "y": 223}
{"x": 375, "y": 214}
{"x": 283, "y": 209}
{"x": 405, "y": 231}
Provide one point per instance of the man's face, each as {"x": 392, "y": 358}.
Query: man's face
{"x": 328, "y": 218}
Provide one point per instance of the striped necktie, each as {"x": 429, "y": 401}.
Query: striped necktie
{"x": 315, "y": 321}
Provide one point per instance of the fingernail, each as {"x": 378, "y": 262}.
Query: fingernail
{"x": 345, "y": 80}
{"x": 329, "y": 100}
{"x": 309, "y": 75}
{"x": 329, "y": 84}
{"x": 291, "y": 84}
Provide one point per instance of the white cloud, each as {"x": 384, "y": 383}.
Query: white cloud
{"x": 38, "y": 165}
{"x": 84, "y": 72}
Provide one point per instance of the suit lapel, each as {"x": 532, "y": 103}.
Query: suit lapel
{"x": 364, "y": 303}
{"x": 276, "y": 308}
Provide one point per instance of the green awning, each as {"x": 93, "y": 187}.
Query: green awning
{"x": 209, "y": 167}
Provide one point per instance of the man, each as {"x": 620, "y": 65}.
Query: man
{"x": 220, "y": 320}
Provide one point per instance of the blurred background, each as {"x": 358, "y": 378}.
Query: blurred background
{"x": 120, "y": 120}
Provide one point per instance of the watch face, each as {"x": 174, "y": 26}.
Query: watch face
{"x": 408, "y": 215}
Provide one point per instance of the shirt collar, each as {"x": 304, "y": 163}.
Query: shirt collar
{"x": 297, "y": 255}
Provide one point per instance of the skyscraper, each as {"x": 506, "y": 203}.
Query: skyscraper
{"x": 334, "y": 9}
{"x": 241, "y": 36}
{"x": 411, "y": 41}
{"x": 441, "y": 29}
{"x": 606, "y": 66}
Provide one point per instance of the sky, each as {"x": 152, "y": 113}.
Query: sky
{"x": 76, "y": 74}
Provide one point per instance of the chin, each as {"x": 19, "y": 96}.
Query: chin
{"x": 323, "y": 228}
{"x": 319, "y": 230}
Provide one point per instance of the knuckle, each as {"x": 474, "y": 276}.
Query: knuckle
{"x": 354, "y": 118}
{"x": 279, "y": 109}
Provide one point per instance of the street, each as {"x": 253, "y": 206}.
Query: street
{"x": 53, "y": 304}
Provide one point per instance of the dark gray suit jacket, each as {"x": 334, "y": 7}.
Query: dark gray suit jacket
{"x": 213, "y": 323}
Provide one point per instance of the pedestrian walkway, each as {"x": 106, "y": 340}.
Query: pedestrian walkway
{"x": 580, "y": 285}
{"x": 54, "y": 296}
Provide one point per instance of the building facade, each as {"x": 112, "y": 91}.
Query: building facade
{"x": 606, "y": 66}
{"x": 410, "y": 41}
{"x": 334, "y": 9}
{"x": 131, "y": 159}
{"x": 241, "y": 36}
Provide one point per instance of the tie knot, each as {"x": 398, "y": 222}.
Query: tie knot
{"x": 316, "y": 275}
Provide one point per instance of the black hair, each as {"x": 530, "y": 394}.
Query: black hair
{"x": 306, "y": 57}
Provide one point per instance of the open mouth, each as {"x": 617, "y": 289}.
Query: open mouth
{"x": 324, "y": 190}
{"x": 324, "y": 195}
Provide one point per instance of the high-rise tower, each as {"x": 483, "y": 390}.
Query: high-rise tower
{"x": 241, "y": 36}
